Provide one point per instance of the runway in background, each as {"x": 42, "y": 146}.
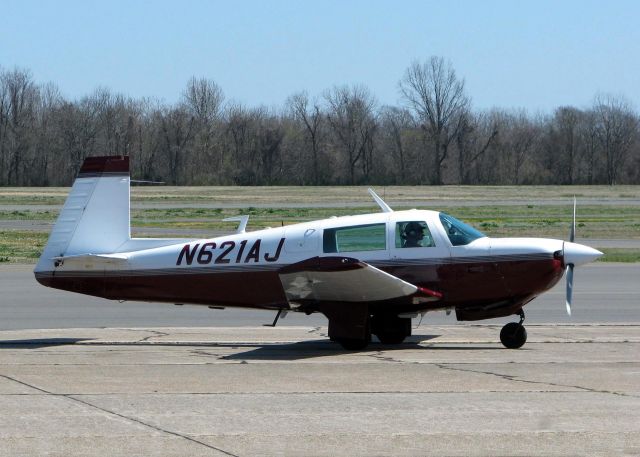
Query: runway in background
{"x": 603, "y": 293}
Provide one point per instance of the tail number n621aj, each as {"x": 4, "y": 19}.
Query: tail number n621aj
{"x": 204, "y": 254}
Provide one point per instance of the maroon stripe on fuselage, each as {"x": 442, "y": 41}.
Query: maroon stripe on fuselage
{"x": 325, "y": 264}
{"x": 472, "y": 283}
{"x": 241, "y": 289}
{"x": 462, "y": 285}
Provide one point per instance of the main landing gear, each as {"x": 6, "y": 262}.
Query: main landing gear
{"x": 353, "y": 326}
{"x": 514, "y": 335}
{"x": 390, "y": 329}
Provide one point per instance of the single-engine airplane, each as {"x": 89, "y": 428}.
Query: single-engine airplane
{"x": 368, "y": 274}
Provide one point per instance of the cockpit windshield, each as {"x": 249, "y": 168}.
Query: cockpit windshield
{"x": 458, "y": 232}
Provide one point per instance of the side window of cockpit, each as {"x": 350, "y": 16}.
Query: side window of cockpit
{"x": 413, "y": 234}
{"x": 370, "y": 237}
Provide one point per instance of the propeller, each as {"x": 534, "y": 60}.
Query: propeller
{"x": 569, "y": 287}
{"x": 572, "y": 237}
{"x": 572, "y": 233}
{"x": 574, "y": 255}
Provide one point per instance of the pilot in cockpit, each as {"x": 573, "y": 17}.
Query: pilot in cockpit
{"x": 412, "y": 235}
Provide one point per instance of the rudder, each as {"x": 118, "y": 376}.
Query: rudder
{"x": 95, "y": 218}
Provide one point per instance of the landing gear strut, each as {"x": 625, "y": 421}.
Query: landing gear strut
{"x": 514, "y": 335}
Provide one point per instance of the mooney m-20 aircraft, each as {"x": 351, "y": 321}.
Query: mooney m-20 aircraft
{"x": 368, "y": 274}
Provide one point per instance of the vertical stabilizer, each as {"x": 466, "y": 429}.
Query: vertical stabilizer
{"x": 95, "y": 216}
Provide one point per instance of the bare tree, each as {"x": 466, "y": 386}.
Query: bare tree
{"x": 351, "y": 116}
{"x": 45, "y": 135}
{"x": 617, "y": 129}
{"x": 238, "y": 128}
{"x": 395, "y": 124}
{"x": 341, "y": 138}
{"x": 176, "y": 131}
{"x": 512, "y": 148}
{"x": 203, "y": 99}
{"x": 434, "y": 92}
{"x": 312, "y": 119}
{"x": 518, "y": 140}
{"x": 20, "y": 97}
{"x": 474, "y": 136}
{"x": 268, "y": 139}
{"x": 4, "y": 126}
{"x": 589, "y": 140}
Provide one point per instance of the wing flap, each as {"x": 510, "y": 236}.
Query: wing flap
{"x": 341, "y": 279}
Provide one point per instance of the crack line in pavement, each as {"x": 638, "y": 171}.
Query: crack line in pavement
{"x": 311, "y": 392}
{"x": 516, "y": 379}
{"x": 317, "y": 330}
{"x": 154, "y": 333}
{"x": 122, "y": 416}
{"x": 378, "y": 355}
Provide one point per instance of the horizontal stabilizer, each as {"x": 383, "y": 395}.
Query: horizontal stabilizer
{"x": 91, "y": 261}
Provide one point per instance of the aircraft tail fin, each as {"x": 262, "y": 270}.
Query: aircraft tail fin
{"x": 95, "y": 216}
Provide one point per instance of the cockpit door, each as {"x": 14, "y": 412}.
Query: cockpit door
{"x": 423, "y": 265}
{"x": 416, "y": 239}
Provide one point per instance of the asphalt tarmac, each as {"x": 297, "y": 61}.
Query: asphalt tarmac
{"x": 603, "y": 293}
{"x": 451, "y": 390}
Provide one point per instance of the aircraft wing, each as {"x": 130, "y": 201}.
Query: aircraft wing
{"x": 344, "y": 279}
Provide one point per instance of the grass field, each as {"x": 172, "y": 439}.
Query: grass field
{"x": 395, "y": 195}
{"x": 505, "y": 211}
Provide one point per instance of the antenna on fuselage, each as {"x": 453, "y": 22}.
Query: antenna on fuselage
{"x": 242, "y": 226}
{"x": 385, "y": 208}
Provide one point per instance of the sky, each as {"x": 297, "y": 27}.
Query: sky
{"x": 535, "y": 55}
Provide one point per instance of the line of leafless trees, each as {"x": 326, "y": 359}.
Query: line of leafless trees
{"x": 342, "y": 136}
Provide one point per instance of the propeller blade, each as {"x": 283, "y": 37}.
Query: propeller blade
{"x": 569, "y": 287}
{"x": 572, "y": 234}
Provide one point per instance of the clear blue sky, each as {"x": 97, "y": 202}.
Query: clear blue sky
{"x": 534, "y": 54}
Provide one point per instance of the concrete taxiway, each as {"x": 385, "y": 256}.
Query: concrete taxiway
{"x": 144, "y": 387}
{"x": 451, "y": 390}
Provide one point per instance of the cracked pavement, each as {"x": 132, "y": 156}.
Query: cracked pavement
{"x": 449, "y": 390}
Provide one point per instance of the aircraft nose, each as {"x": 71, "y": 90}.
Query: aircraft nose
{"x": 579, "y": 254}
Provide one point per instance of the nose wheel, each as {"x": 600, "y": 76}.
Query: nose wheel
{"x": 514, "y": 335}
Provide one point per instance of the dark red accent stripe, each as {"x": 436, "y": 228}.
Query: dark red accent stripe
{"x": 324, "y": 264}
{"x": 105, "y": 164}
{"x": 495, "y": 289}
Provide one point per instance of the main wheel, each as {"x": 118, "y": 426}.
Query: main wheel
{"x": 353, "y": 344}
{"x": 390, "y": 329}
{"x": 513, "y": 335}
{"x": 351, "y": 332}
{"x": 392, "y": 337}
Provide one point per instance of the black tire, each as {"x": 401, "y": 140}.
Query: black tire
{"x": 390, "y": 329}
{"x": 396, "y": 337}
{"x": 513, "y": 335}
{"x": 352, "y": 344}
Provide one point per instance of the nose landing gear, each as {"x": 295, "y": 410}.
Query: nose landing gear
{"x": 514, "y": 335}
